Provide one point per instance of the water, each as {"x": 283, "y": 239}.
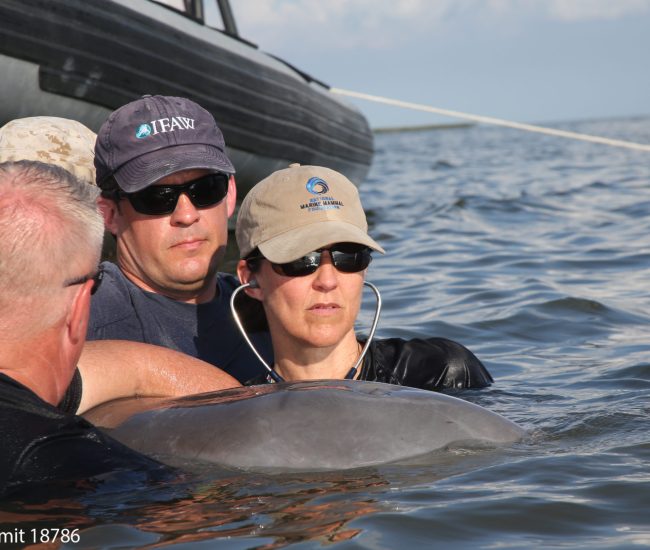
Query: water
{"x": 533, "y": 252}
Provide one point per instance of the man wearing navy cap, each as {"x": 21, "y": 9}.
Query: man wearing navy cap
{"x": 167, "y": 191}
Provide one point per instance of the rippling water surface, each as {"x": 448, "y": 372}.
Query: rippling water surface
{"x": 532, "y": 251}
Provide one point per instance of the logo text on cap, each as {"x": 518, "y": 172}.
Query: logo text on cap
{"x": 164, "y": 125}
{"x": 318, "y": 186}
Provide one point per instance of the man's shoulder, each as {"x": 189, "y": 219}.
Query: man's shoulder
{"x": 114, "y": 288}
{"x": 112, "y": 305}
{"x": 23, "y": 410}
{"x": 43, "y": 445}
{"x": 25, "y": 419}
{"x": 14, "y": 394}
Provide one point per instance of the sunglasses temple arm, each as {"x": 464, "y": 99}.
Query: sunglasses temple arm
{"x": 353, "y": 371}
{"x": 276, "y": 377}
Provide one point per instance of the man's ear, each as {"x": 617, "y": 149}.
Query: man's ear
{"x": 79, "y": 314}
{"x": 109, "y": 211}
{"x": 231, "y": 198}
{"x": 247, "y": 276}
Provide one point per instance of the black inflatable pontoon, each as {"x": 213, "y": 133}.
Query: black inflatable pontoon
{"x": 81, "y": 59}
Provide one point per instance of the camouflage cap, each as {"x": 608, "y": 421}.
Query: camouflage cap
{"x": 53, "y": 140}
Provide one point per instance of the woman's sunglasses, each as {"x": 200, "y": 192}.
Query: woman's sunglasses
{"x": 346, "y": 257}
{"x": 158, "y": 200}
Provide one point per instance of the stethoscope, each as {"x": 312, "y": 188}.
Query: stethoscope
{"x": 274, "y": 375}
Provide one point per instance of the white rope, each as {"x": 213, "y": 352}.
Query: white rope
{"x": 495, "y": 121}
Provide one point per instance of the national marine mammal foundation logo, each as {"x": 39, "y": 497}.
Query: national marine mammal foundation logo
{"x": 319, "y": 187}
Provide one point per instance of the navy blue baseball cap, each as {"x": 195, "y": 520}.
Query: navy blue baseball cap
{"x": 155, "y": 136}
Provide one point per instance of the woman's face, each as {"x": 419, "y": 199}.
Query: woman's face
{"x": 315, "y": 310}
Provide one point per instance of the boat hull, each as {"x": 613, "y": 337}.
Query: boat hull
{"x": 82, "y": 59}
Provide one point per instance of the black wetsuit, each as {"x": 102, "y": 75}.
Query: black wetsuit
{"x": 431, "y": 364}
{"x": 43, "y": 444}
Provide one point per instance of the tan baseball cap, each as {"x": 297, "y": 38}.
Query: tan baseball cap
{"x": 53, "y": 140}
{"x": 300, "y": 209}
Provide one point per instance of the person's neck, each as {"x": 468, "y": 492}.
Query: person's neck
{"x": 202, "y": 295}
{"x": 205, "y": 294}
{"x": 39, "y": 367}
{"x": 301, "y": 362}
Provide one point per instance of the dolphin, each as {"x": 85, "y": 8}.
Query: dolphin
{"x": 303, "y": 426}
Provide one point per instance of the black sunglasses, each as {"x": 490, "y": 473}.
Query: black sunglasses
{"x": 346, "y": 257}
{"x": 157, "y": 200}
{"x": 96, "y": 278}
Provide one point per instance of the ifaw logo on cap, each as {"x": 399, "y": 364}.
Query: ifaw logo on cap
{"x": 318, "y": 186}
{"x": 143, "y": 131}
{"x": 164, "y": 125}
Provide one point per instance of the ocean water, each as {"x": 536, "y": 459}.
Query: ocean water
{"x": 533, "y": 251}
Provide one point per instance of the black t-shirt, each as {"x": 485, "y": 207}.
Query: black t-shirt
{"x": 41, "y": 443}
{"x": 428, "y": 363}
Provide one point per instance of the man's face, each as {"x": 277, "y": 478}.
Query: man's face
{"x": 176, "y": 254}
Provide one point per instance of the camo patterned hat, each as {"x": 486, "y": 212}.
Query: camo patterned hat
{"x": 53, "y": 140}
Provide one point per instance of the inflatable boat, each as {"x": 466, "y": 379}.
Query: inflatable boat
{"x": 81, "y": 59}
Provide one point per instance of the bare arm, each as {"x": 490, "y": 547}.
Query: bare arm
{"x": 112, "y": 369}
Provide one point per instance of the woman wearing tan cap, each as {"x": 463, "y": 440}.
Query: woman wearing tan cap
{"x": 302, "y": 235}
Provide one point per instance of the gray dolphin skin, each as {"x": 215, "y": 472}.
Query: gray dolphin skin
{"x": 306, "y": 426}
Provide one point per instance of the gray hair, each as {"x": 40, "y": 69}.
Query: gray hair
{"x": 50, "y": 228}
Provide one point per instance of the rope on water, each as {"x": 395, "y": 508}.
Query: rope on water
{"x": 491, "y": 120}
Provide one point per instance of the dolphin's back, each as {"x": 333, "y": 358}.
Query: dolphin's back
{"x": 320, "y": 425}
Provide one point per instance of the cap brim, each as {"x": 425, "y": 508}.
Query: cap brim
{"x": 295, "y": 243}
{"x": 151, "y": 167}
